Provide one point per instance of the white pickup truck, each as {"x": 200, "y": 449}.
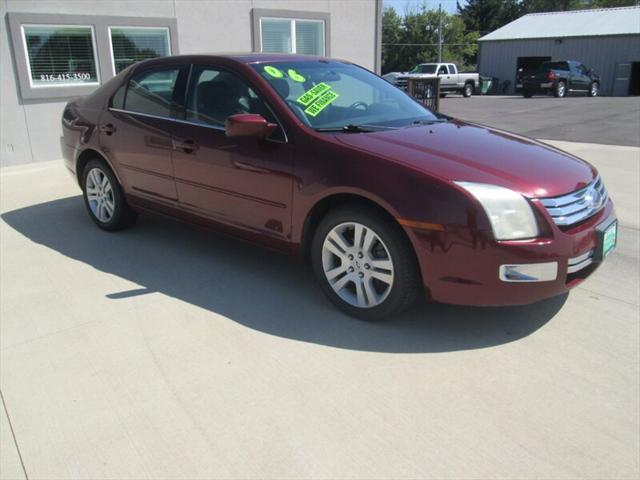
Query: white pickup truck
{"x": 450, "y": 80}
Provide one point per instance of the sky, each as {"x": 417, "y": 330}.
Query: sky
{"x": 401, "y": 5}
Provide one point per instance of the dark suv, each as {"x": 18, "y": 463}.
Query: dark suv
{"x": 561, "y": 78}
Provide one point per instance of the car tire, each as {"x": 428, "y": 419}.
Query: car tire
{"x": 594, "y": 90}
{"x": 467, "y": 91}
{"x": 364, "y": 263}
{"x": 104, "y": 198}
{"x": 560, "y": 90}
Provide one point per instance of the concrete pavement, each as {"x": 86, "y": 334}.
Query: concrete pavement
{"x": 604, "y": 120}
{"x": 168, "y": 352}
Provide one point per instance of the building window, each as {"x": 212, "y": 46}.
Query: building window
{"x": 286, "y": 34}
{"x": 77, "y": 53}
{"x": 283, "y": 35}
{"x": 60, "y": 55}
{"x": 133, "y": 44}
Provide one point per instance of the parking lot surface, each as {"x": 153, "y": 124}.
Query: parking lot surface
{"x": 607, "y": 120}
{"x": 165, "y": 351}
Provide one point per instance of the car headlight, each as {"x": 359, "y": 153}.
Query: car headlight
{"x": 509, "y": 212}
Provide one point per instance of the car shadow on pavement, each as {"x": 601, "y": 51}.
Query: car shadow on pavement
{"x": 262, "y": 290}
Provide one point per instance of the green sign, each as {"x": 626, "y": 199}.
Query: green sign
{"x": 310, "y": 95}
{"x": 273, "y": 71}
{"x": 610, "y": 239}
{"x": 322, "y": 102}
{"x": 295, "y": 76}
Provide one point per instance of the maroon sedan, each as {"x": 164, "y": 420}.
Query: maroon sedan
{"x": 322, "y": 158}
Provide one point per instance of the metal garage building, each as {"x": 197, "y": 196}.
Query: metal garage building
{"x": 607, "y": 40}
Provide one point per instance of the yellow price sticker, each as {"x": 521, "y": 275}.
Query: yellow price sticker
{"x": 273, "y": 71}
{"x": 310, "y": 95}
{"x": 295, "y": 76}
{"x": 322, "y": 102}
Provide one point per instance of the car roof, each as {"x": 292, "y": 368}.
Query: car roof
{"x": 246, "y": 58}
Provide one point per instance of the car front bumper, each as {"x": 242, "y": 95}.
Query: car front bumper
{"x": 463, "y": 267}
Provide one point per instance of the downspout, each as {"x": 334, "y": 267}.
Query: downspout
{"x": 377, "y": 61}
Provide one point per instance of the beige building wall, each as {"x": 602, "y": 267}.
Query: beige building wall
{"x": 30, "y": 129}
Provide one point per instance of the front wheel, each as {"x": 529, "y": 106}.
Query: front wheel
{"x": 104, "y": 198}
{"x": 364, "y": 263}
{"x": 468, "y": 90}
{"x": 560, "y": 90}
{"x": 594, "y": 90}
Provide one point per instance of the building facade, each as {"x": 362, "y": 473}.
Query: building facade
{"x": 607, "y": 40}
{"x": 55, "y": 50}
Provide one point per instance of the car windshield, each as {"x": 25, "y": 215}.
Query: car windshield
{"x": 427, "y": 68}
{"x": 330, "y": 95}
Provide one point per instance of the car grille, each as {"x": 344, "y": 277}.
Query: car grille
{"x": 576, "y": 264}
{"x": 575, "y": 207}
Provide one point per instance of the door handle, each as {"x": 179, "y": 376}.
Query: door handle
{"x": 187, "y": 146}
{"x": 108, "y": 128}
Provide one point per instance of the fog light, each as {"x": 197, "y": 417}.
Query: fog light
{"x": 529, "y": 272}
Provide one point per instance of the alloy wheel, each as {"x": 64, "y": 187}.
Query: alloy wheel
{"x": 100, "y": 195}
{"x": 357, "y": 265}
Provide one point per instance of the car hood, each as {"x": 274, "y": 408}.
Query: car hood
{"x": 459, "y": 151}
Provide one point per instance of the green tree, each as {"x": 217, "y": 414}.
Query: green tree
{"x": 391, "y": 36}
{"x": 535, "y": 6}
{"x": 484, "y": 16}
{"x": 413, "y": 39}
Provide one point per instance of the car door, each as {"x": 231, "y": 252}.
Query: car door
{"x": 578, "y": 81}
{"x": 445, "y": 78}
{"x": 244, "y": 182}
{"x": 585, "y": 78}
{"x": 455, "y": 77}
{"x": 136, "y": 131}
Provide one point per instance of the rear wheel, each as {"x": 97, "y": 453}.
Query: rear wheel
{"x": 364, "y": 263}
{"x": 468, "y": 90}
{"x": 594, "y": 90}
{"x": 104, "y": 198}
{"x": 560, "y": 90}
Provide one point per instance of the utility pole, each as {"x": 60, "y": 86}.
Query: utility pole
{"x": 439, "y": 33}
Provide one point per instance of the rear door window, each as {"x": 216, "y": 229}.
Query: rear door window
{"x": 555, "y": 66}
{"x": 152, "y": 91}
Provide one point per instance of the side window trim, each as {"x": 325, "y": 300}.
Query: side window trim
{"x": 188, "y": 69}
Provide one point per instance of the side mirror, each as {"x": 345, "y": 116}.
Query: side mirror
{"x": 248, "y": 125}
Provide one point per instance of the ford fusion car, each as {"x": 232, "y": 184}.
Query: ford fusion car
{"x": 321, "y": 158}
